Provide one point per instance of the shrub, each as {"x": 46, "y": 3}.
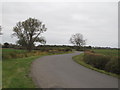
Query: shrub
{"x": 113, "y": 65}
{"x": 68, "y": 49}
{"x": 96, "y": 60}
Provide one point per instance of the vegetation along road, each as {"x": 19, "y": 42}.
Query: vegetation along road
{"x": 60, "y": 71}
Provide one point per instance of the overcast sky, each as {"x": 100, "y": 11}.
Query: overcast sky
{"x": 97, "y": 21}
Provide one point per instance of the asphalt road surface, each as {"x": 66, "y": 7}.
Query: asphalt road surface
{"x": 60, "y": 71}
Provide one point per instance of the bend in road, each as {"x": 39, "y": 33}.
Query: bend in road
{"x": 60, "y": 71}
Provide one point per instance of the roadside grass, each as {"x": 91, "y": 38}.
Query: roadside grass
{"x": 0, "y": 74}
{"x": 15, "y": 71}
{"x": 0, "y": 68}
{"x": 79, "y": 60}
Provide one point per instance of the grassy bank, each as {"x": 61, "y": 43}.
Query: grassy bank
{"x": 79, "y": 59}
{"x": 16, "y": 73}
{"x": 16, "y": 69}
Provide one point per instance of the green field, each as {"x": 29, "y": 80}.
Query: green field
{"x": 5, "y": 50}
{"x": 108, "y": 52}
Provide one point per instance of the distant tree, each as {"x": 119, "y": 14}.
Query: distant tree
{"x": 77, "y": 39}
{"x": 0, "y": 30}
{"x": 28, "y": 32}
{"x": 88, "y": 47}
{"x": 6, "y": 45}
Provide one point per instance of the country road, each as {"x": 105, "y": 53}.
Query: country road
{"x": 60, "y": 71}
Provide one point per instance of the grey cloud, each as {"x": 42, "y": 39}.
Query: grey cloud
{"x": 96, "y": 21}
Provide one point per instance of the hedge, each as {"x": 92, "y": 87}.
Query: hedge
{"x": 107, "y": 63}
{"x": 96, "y": 60}
{"x": 113, "y": 65}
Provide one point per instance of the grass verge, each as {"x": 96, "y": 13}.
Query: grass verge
{"x": 79, "y": 60}
{"x": 0, "y": 74}
{"x": 15, "y": 72}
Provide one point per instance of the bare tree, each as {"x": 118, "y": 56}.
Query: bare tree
{"x": 28, "y": 32}
{"x": 77, "y": 39}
